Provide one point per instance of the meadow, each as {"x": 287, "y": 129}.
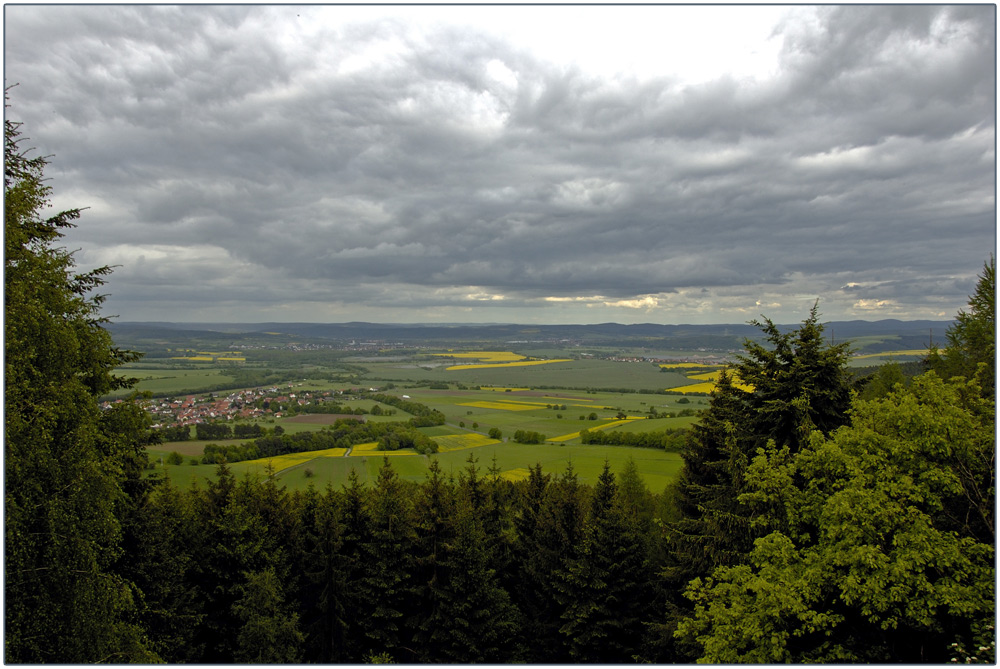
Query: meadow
{"x": 470, "y": 414}
{"x": 322, "y": 468}
{"x": 486, "y": 390}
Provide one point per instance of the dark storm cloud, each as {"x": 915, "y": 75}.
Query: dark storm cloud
{"x": 252, "y": 156}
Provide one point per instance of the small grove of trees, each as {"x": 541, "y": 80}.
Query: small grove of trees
{"x": 669, "y": 439}
{"x": 174, "y": 433}
{"x": 528, "y": 437}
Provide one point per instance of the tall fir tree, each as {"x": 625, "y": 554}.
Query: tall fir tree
{"x": 778, "y": 392}
{"x": 972, "y": 337}
{"x": 603, "y": 592}
{"x": 64, "y": 474}
{"x": 472, "y": 618}
{"x": 386, "y": 586}
{"x": 548, "y": 542}
{"x": 322, "y": 586}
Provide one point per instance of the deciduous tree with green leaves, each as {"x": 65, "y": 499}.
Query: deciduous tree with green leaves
{"x": 886, "y": 549}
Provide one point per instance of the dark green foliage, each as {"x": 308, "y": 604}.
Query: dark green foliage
{"x": 548, "y": 534}
{"x": 799, "y": 383}
{"x": 385, "y": 584}
{"x": 423, "y": 416}
{"x": 247, "y": 431}
{"x": 159, "y": 560}
{"x": 972, "y": 339}
{"x": 206, "y": 431}
{"x": 269, "y": 633}
{"x": 669, "y": 439}
{"x": 886, "y": 553}
{"x": 176, "y": 433}
{"x": 604, "y": 591}
{"x": 528, "y": 437}
{"x": 407, "y": 437}
{"x": 65, "y": 471}
{"x": 470, "y": 615}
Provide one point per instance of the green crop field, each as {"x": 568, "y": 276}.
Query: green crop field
{"x": 166, "y": 381}
{"x": 470, "y": 414}
{"x": 571, "y": 374}
{"x": 656, "y": 467}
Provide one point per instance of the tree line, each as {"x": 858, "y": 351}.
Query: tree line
{"x": 809, "y": 523}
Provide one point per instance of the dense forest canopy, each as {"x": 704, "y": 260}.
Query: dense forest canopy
{"x": 810, "y": 522}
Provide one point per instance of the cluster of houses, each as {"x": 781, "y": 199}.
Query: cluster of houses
{"x": 249, "y": 403}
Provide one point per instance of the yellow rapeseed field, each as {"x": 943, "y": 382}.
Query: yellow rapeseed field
{"x": 706, "y": 388}
{"x": 458, "y": 442}
{"x": 487, "y": 356}
{"x": 280, "y": 462}
{"x": 888, "y": 353}
{"x": 499, "y": 406}
{"x": 371, "y": 448}
{"x": 574, "y": 435}
{"x": 519, "y": 474}
{"x": 688, "y": 365}
{"x": 522, "y": 363}
{"x": 368, "y": 446}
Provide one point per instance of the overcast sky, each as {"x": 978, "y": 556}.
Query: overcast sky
{"x": 584, "y": 164}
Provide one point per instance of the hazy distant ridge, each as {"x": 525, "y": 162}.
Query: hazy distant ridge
{"x": 912, "y": 333}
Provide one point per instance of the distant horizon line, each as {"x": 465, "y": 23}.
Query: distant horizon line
{"x": 495, "y": 323}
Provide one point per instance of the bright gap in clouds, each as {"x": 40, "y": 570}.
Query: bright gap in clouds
{"x": 688, "y": 44}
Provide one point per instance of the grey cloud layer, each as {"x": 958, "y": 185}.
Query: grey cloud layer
{"x": 378, "y": 164}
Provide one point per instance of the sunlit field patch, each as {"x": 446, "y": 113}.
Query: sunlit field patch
{"x": 371, "y": 448}
{"x": 698, "y": 388}
{"x": 364, "y": 448}
{"x": 522, "y": 363}
{"x": 486, "y": 356}
{"x": 195, "y": 358}
{"x": 458, "y": 442}
{"x": 688, "y": 365}
{"x": 891, "y": 353}
{"x": 519, "y": 474}
{"x": 574, "y": 435}
{"x": 281, "y": 462}
{"x": 499, "y": 406}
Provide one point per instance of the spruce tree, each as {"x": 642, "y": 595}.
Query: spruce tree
{"x": 322, "y": 586}
{"x": 434, "y": 527}
{"x": 604, "y": 589}
{"x": 472, "y": 618}
{"x": 385, "y": 585}
{"x": 64, "y": 476}
{"x": 549, "y": 536}
{"x": 778, "y": 392}
{"x": 972, "y": 337}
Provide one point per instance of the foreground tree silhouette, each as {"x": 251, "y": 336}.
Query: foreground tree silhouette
{"x": 887, "y": 550}
{"x": 778, "y": 392}
{"x": 972, "y": 338}
{"x": 64, "y": 475}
